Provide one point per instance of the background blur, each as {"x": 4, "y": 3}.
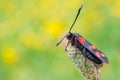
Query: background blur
{"x": 29, "y": 30}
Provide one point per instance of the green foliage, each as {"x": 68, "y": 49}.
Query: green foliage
{"x": 29, "y": 30}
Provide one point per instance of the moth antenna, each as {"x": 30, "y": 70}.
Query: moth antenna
{"x": 71, "y": 25}
{"x": 60, "y": 41}
{"x": 75, "y": 18}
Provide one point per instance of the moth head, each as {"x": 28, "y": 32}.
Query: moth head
{"x": 69, "y": 35}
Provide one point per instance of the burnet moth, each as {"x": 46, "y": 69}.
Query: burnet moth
{"x": 87, "y": 49}
{"x": 84, "y": 54}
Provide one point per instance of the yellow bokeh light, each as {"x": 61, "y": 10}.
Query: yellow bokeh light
{"x": 30, "y": 40}
{"x": 114, "y": 10}
{"x": 9, "y": 56}
{"x": 54, "y": 28}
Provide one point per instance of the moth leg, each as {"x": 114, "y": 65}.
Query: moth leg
{"x": 68, "y": 43}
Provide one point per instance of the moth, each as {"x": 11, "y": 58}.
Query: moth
{"x": 85, "y": 56}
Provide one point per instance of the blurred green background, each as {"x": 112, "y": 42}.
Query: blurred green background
{"x": 29, "y": 30}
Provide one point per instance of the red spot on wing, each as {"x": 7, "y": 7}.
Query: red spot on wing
{"x": 92, "y": 47}
{"x": 102, "y": 55}
{"x": 99, "y": 54}
{"x": 81, "y": 40}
